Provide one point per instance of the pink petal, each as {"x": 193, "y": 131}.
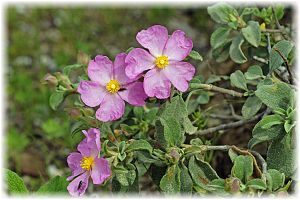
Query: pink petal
{"x": 100, "y": 70}
{"x": 93, "y": 137}
{"x": 179, "y": 73}
{"x": 134, "y": 94}
{"x": 100, "y": 171}
{"x": 84, "y": 148}
{"x": 74, "y": 164}
{"x": 111, "y": 108}
{"x": 78, "y": 186}
{"x": 92, "y": 93}
{"x": 156, "y": 84}
{"x": 178, "y": 46}
{"x": 119, "y": 70}
{"x": 137, "y": 61}
{"x": 154, "y": 39}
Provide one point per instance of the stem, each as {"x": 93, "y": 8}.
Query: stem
{"x": 228, "y": 126}
{"x": 211, "y": 87}
{"x": 254, "y": 154}
{"x": 288, "y": 67}
{"x": 272, "y": 31}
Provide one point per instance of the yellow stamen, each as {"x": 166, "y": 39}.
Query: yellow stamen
{"x": 87, "y": 163}
{"x": 161, "y": 62}
{"x": 113, "y": 86}
{"x": 262, "y": 27}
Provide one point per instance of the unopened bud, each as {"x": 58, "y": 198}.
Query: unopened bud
{"x": 82, "y": 58}
{"x": 50, "y": 80}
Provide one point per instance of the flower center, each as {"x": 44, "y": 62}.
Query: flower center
{"x": 113, "y": 86}
{"x": 87, "y": 162}
{"x": 161, "y": 62}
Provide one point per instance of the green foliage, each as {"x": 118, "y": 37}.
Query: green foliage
{"x": 222, "y": 13}
{"x": 137, "y": 145}
{"x": 170, "y": 182}
{"x": 219, "y": 37}
{"x": 276, "y": 96}
{"x": 15, "y": 184}
{"x": 254, "y": 72}
{"x": 280, "y": 156}
{"x": 275, "y": 179}
{"x": 242, "y": 168}
{"x": 195, "y": 55}
{"x": 284, "y": 47}
{"x": 251, "y": 107}
{"x": 235, "y": 51}
{"x": 56, "y": 185}
{"x": 238, "y": 80}
{"x": 56, "y": 99}
{"x": 252, "y": 33}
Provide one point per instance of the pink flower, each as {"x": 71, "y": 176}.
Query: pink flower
{"x": 110, "y": 87}
{"x": 164, "y": 61}
{"x": 86, "y": 163}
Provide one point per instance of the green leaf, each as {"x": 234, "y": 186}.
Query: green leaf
{"x": 137, "y": 145}
{"x": 203, "y": 98}
{"x": 69, "y": 68}
{"x": 270, "y": 120}
{"x": 177, "y": 109}
{"x": 252, "y": 33}
{"x": 172, "y": 131}
{"x": 261, "y": 135}
{"x": 221, "y": 53}
{"x": 235, "y": 51}
{"x": 279, "y": 11}
{"x": 242, "y": 168}
{"x": 219, "y": 37}
{"x": 278, "y": 95}
{"x": 15, "y": 184}
{"x": 275, "y": 60}
{"x": 275, "y": 179}
{"x": 201, "y": 172}
{"x": 56, "y": 99}
{"x": 251, "y": 107}
{"x": 222, "y": 13}
{"x": 254, "y": 72}
{"x": 195, "y": 55}
{"x": 185, "y": 180}
{"x": 257, "y": 184}
{"x": 170, "y": 182}
{"x": 57, "y": 184}
{"x": 238, "y": 80}
{"x": 280, "y": 156}
{"x": 138, "y": 112}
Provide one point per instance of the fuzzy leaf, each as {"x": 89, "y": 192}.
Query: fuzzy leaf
{"x": 56, "y": 99}
{"x": 252, "y": 33}
{"x": 195, "y": 55}
{"x": 15, "y": 184}
{"x": 219, "y": 37}
{"x": 235, "y": 51}
{"x": 276, "y": 96}
{"x": 222, "y": 12}
{"x": 170, "y": 182}
{"x": 238, "y": 80}
{"x": 137, "y": 145}
{"x": 254, "y": 72}
{"x": 275, "y": 60}
{"x": 257, "y": 184}
{"x": 242, "y": 168}
{"x": 55, "y": 185}
{"x": 251, "y": 107}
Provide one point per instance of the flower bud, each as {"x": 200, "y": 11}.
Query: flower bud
{"x": 50, "y": 80}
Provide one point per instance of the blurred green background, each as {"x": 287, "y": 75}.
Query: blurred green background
{"x": 43, "y": 40}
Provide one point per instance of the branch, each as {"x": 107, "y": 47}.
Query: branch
{"x": 228, "y": 126}
{"x": 288, "y": 67}
{"x": 272, "y": 31}
{"x": 211, "y": 87}
{"x": 252, "y": 153}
